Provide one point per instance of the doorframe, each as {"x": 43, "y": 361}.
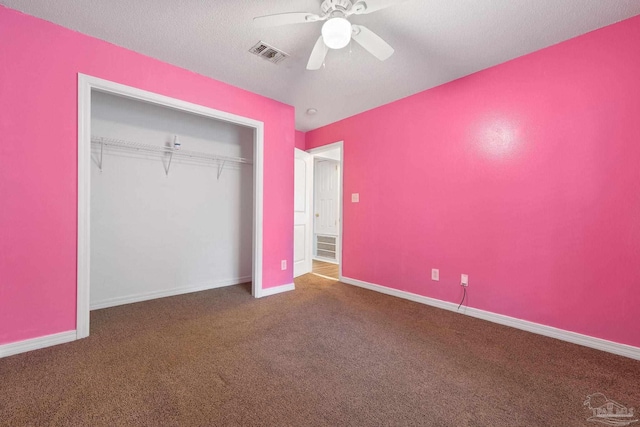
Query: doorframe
{"x": 87, "y": 84}
{"x": 322, "y": 149}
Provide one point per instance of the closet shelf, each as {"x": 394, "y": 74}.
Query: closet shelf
{"x": 170, "y": 151}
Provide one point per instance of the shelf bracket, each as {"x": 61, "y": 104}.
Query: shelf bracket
{"x": 166, "y": 171}
{"x": 220, "y": 167}
{"x": 101, "y": 151}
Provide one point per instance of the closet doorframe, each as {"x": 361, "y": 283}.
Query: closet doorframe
{"x": 87, "y": 84}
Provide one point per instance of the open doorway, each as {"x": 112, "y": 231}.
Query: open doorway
{"x": 327, "y": 210}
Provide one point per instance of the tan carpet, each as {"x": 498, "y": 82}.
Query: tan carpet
{"x": 325, "y": 354}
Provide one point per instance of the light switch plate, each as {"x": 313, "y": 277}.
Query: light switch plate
{"x": 355, "y": 198}
{"x": 283, "y": 264}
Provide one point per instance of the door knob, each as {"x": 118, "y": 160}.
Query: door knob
{"x": 317, "y": 215}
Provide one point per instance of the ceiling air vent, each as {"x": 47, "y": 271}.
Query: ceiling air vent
{"x": 269, "y": 53}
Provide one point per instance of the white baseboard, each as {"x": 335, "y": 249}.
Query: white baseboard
{"x": 277, "y": 290}
{"x": 129, "y": 299}
{"x": 548, "y": 331}
{"x": 36, "y": 343}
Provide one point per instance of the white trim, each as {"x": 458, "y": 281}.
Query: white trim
{"x": 84, "y": 206}
{"x": 258, "y": 196}
{"x": 130, "y": 299}
{"x": 328, "y": 147}
{"x": 278, "y": 289}
{"x": 536, "y": 328}
{"x": 85, "y": 85}
{"x": 36, "y": 343}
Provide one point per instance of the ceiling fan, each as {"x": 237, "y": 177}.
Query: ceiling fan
{"x": 337, "y": 31}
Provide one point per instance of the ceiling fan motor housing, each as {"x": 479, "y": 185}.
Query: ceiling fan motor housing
{"x": 329, "y": 6}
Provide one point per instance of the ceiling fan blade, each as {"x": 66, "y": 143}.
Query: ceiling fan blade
{"x": 318, "y": 54}
{"x": 372, "y": 42}
{"x": 285, "y": 19}
{"x": 369, "y": 6}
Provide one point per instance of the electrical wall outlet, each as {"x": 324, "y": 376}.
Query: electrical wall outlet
{"x": 355, "y": 198}
{"x": 283, "y": 264}
{"x": 464, "y": 280}
{"x": 435, "y": 274}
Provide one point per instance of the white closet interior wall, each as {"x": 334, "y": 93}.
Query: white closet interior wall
{"x": 154, "y": 234}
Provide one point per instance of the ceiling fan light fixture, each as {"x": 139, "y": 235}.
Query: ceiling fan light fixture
{"x": 336, "y": 33}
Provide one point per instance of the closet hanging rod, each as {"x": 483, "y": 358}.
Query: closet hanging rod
{"x": 148, "y": 148}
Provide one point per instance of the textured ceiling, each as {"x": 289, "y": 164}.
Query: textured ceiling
{"x": 436, "y": 41}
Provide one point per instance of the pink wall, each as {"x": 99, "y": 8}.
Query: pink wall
{"x": 39, "y": 63}
{"x": 300, "y": 140}
{"x": 524, "y": 176}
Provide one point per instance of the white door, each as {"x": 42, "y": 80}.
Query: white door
{"x": 327, "y": 195}
{"x": 302, "y": 225}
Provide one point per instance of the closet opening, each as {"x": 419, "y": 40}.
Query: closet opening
{"x": 169, "y": 198}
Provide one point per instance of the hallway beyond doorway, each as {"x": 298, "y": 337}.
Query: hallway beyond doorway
{"x": 325, "y": 269}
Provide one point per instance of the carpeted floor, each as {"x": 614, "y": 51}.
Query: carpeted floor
{"x": 325, "y": 354}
